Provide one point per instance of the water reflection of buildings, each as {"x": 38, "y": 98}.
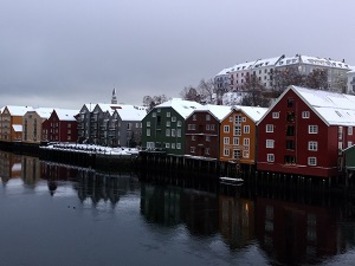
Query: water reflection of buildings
{"x": 90, "y": 185}
{"x": 30, "y": 170}
{"x": 10, "y": 166}
{"x": 236, "y": 220}
{"x": 170, "y": 206}
{"x": 294, "y": 233}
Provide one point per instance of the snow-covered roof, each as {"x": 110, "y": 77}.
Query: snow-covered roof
{"x": 112, "y": 107}
{"x": 66, "y": 114}
{"x": 132, "y": 114}
{"x": 254, "y": 113}
{"x": 183, "y": 107}
{"x": 43, "y": 112}
{"x": 334, "y": 108}
{"x": 218, "y": 111}
{"x": 312, "y": 60}
{"x": 17, "y": 128}
{"x": 16, "y": 110}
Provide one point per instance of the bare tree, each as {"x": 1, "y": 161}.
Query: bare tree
{"x": 150, "y": 102}
{"x": 253, "y": 92}
{"x": 190, "y": 94}
{"x": 206, "y": 89}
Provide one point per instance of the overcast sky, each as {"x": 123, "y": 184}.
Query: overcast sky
{"x": 64, "y": 53}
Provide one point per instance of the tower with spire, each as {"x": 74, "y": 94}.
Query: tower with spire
{"x": 114, "y": 97}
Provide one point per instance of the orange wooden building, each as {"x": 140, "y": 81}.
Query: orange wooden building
{"x": 238, "y": 134}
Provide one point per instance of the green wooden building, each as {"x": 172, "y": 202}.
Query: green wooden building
{"x": 163, "y": 128}
{"x": 349, "y": 155}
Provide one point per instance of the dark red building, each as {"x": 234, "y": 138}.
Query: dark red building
{"x": 61, "y": 126}
{"x": 203, "y": 130}
{"x": 305, "y": 131}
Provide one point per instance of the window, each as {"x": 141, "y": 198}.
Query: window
{"x": 246, "y": 129}
{"x": 291, "y": 117}
{"x": 167, "y": 132}
{"x": 207, "y": 127}
{"x": 192, "y": 149}
{"x": 148, "y": 123}
{"x": 179, "y": 123}
{"x": 350, "y": 131}
{"x": 245, "y": 154}
{"x": 225, "y": 140}
{"x": 238, "y": 131}
{"x": 275, "y": 115}
{"x": 154, "y": 114}
{"x": 236, "y": 141}
{"x": 230, "y": 119}
{"x": 173, "y": 132}
{"x": 312, "y": 161}
{"x": 193, "y": 138}
{"x": 167, "y": 145}
{"x": 158, "y": 110}
{"x": 236, "y": 154}
{"x": 312, "y": 145}
{"x": 238, "y": 119}
{"x": 312, "y": 129}
{"x": 226, "y": 129}
{"x": 226, "y": 152}
{"x": 270, "y": 157}
{"x": 191, "y": 126}
{"x": 290, "y": 131}
{"x": 305, "y": 114}
{"x": 178, "y": 132}
{"x": 290, "y": 102}
{"x": 129, "y": 126}
{"x": 167, "y": 114}
{"x": 290, "y": 159}
{"x": 290, "y": 145}
{"x": 270, "y": 143}
{"x": 194, "y": 118}
{"x": 207, "y": 151}
{"x": 246, "y": 142}
{"x": 173, "y": 119}
{"x": 168, "y": 123}
{"x": 208, "y": 117}
{"x": 269, "y": 128}
{"x": 350, "y": 143}
{"x": 208, "y": 138}
{"x": 178, "y": 146}
{"x": 173, "y": 145}
{"x": 212, "y": 127}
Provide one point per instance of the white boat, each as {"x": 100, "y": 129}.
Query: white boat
{"x": 231, "y": 180}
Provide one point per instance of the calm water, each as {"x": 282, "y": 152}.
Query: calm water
{"x": 58, "y": 215}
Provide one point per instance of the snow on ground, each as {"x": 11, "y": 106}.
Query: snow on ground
{"x": 90, "y": 148}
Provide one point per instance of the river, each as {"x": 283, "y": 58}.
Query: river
{"x": 53, "y": 214}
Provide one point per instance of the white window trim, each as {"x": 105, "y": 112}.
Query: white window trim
{"x": 270, "y": 157}
{"x": 309, "y": 161}
{"x": 269, "y": 128}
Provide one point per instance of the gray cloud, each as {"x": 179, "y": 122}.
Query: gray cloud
{"x": 66, "y": 53}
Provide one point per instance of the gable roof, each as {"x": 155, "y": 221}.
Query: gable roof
{"x": 218, "y": 111}
{"x": 43, "y": 112}
{"x": 333, "y": 108}
{"x": 182, "y": 107}
{"x": 131, "y": 113}
{"x": 66, "y": 114}
{"x": 17, "y": 110}
{"x": 253, "y": 112}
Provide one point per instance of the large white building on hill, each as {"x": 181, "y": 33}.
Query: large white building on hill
{"x": 233, "y": 78}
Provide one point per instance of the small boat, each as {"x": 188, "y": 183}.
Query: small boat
{"x": 236, "y": 181}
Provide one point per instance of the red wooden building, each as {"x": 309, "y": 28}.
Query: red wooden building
{"x": 61, "y": 126}
{"x": 304, "y": 132}
{"x": 203, "y": 130}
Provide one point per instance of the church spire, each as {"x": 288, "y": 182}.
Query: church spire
{"x": 114, "y": 97}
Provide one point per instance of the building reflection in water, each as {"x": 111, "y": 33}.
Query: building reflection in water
{"x": 236, "y": 220}
{"x": 170, "y": 206}
{"x": 10, "y": 166}
{"x": 288, "y": 229}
